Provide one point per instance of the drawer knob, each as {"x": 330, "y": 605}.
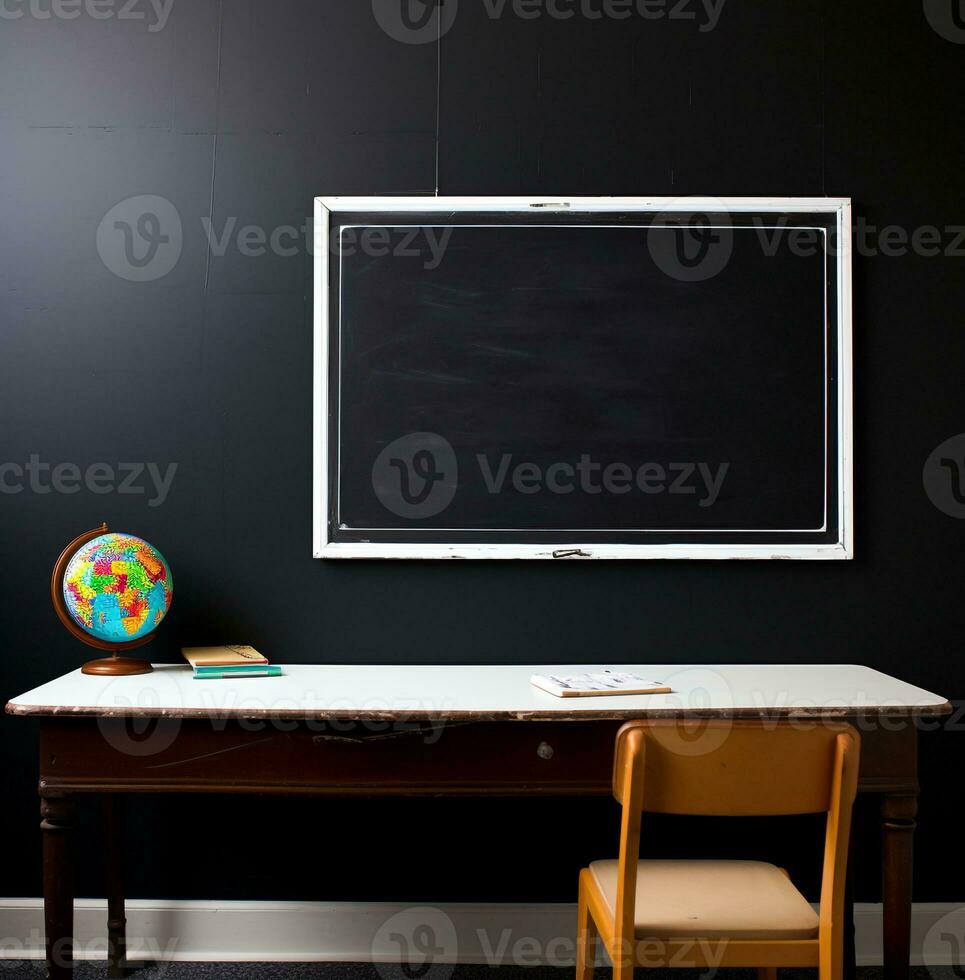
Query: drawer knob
{"x": 545, "y": 750}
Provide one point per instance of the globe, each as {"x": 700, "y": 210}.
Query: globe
{"x": 117, "y": 587}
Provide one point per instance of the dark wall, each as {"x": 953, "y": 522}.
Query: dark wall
{"x": 240, "y": 112}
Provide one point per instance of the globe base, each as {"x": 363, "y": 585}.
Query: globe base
{"x": 117, "y": 666}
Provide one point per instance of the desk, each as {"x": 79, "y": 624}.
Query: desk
{"x": 373, "y": 730}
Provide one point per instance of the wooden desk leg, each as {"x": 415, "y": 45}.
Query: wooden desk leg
{"x": 57, "y": 822}
{"x": 116, "y": 919}
{"x": 897, "y": 832}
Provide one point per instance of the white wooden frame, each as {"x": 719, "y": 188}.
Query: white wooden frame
{"x": 323, "y": 547}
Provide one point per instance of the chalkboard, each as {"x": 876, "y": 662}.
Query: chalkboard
{"x": 582, "y": 378}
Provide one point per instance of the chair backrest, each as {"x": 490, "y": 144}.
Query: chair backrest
{"x": 739, "y": 768}
{"x": 731, "y": 768}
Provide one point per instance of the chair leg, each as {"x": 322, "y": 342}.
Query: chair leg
{"x": 586, "y": 934}
{"x": 767, "y": 973}
{"x": 623, "y": 969}
{"x": 831, "y": 959}
{"x": 622, "y": 956}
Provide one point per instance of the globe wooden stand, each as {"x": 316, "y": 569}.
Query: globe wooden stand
{"x": 114, "y": 665}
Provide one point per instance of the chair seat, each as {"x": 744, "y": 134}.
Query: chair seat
{"x": 713, "y": 899}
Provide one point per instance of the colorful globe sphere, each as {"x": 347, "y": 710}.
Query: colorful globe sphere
{"x": 117, "y": 587}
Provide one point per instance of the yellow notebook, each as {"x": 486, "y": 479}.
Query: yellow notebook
{"x": 226, "y": 656}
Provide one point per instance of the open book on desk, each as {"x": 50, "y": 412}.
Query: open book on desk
{"x": 597, "y": 684}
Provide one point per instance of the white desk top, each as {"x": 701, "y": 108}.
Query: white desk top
{"x": 370, "y": 692}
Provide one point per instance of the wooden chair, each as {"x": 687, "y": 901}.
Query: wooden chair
{"x": 721, "y": 913}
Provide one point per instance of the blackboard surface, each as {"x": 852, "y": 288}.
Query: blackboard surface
{"x": 616, "y": 378}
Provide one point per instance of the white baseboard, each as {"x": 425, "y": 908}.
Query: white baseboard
{"x": 491, "y": 934}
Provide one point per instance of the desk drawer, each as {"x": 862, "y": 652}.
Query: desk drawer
{"x": 517, "y": 758}
{"x": 374, "y": 758}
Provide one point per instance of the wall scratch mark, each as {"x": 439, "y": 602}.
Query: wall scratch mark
{"x": 438, "y": 87}
{"x": 214, "y": 141}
